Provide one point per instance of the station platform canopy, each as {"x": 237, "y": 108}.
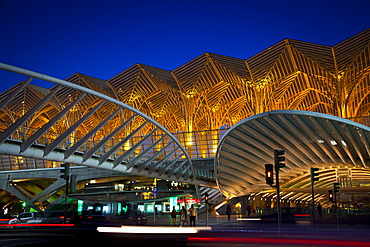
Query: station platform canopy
{"x": 339, "y": 147}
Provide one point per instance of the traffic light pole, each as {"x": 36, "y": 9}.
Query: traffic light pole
{"x": 277, "y": 185}
{"x": 207, "y": 215}
{"x": 314, "y": 178}
{"x": 65, "y": 175}
{"x": 278, "y": 158}
{"x": 155, "y": 191}
{"x": 336, "y": 210}
{"x": 336, "y": 187}
{"x": 65, "y": 200}
{"x": 154, "y": 211}
{"x": 313, "y": 204}
{"x": 206, "y": 202}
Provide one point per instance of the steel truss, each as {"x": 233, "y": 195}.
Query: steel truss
{"x": 73, "y": 124}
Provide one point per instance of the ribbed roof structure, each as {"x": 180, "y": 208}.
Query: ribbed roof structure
{"x": 309, "y": 139}
{"x": 213, "y": 91}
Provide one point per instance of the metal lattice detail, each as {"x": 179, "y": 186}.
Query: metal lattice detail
{"x": 213, "y": 90}
{"x": 74, "y": 124}
{"x": 308, "y": 138}
{"x": 194, "y": 101}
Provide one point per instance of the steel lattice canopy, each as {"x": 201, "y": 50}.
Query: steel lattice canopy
{"x": 308, "y": 138}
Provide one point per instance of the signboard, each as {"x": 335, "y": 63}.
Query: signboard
{"x": 155, "y": 190}
{"x": 188, "y": 200}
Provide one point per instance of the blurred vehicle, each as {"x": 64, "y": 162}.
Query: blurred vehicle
{"x": 131, "y": 217}
{"x": 28, "y": 216}
{"x": 288, "y": 215}
{"x": 33, "y": 218}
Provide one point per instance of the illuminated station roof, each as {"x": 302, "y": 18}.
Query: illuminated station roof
{"x": 309, "y": 139}
{"x": 213, "y": 90}
{"x": 275, "y": 99}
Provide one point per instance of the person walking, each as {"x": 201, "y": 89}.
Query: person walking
{"x": 193, "y": 215}
{"x": 173, "y": 216}
{"x": 319, "y": 209}
{"x": 249, "y": 210}
{"x": 228, "y": 212}
{"x": 183, "y": 216}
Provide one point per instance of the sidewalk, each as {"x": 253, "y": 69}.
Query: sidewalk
{"x": 356, "y": 225}
{"x": 166, "y": 220}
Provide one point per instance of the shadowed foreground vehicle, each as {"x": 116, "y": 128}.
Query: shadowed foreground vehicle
{"x": 288, "y": 215}
{"x": 28, "y": 217}
{"x": 33, "y": 218}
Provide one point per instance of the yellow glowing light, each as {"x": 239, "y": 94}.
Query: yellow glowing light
{"x": 126, "y": 146}
{"x": 218, "y": 206}
{"x": 189, "y": 139}
{"x": 191, "y": 94}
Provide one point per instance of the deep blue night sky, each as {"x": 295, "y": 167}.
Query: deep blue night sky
{"x": 103, "y": 38}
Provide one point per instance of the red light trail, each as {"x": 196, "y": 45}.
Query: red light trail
{"x": 30, "y": 225}
{"x": 283, "y": 241}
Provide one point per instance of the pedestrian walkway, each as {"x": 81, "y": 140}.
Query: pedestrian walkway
{"x": 166, "y": 220}
{"x": 240, "y": 223}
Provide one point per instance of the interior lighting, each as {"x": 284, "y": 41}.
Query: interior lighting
{"x": 332, "y": 142}
{"x": 218, "y": 206}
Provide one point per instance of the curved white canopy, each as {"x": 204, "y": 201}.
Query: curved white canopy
{"x": 309, "y": 139}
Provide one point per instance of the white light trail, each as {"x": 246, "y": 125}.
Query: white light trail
{"x": 152, "y": 229}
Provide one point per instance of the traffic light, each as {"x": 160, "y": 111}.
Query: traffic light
{"x": 331, "y": 196}
{"x": 278, "y": 158}
{"x": 64, "y": 170}
{"x": 314, "y": 175}
{"x": 269, "y": 172}
{"x": 206, "y": 198}
{"x": 336, "y": 187}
